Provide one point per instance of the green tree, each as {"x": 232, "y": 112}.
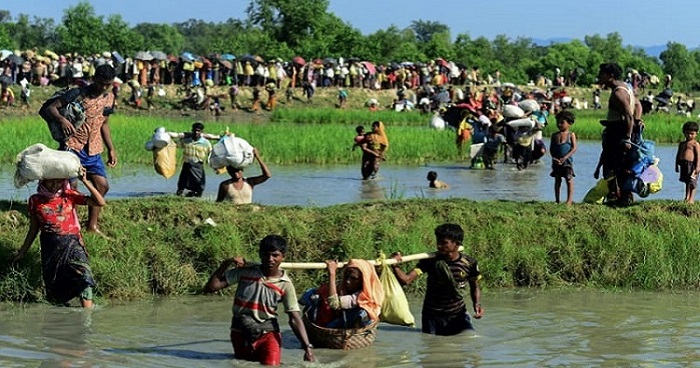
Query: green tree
{"x": 161, "y": 37}
{"x": 119, "y": 37}
{"x": 82, "y": 31}
{"x": 680, "y": 64}
{"x": 424, "y": 30}
{"x": 288, "y": 21}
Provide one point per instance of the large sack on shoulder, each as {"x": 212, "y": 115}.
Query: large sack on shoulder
{"x": 529, "y": 105}
{"x": 165, "y": 160}
{"x": 39, "y": 162}
{"x": 231, "y": 151}
{"x": 512, "y": 111}
{"x": 395, "y": 308}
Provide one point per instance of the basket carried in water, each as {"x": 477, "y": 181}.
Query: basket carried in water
{"x": 345, "y": 339}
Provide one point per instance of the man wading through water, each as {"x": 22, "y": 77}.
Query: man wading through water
{"x": 622, "y": 127}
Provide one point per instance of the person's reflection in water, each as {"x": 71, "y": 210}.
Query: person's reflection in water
{"x": 64, "y": 333}
{"x": 371, "y": 190}
{"x": 442, "y": 351}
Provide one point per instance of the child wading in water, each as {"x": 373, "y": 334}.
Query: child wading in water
{"x": 687, "y": 160}
{"x": 562, "y": 149}
{"x": 451, "y": 271}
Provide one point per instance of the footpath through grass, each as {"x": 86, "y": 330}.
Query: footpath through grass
{"x": 164, "y": 246}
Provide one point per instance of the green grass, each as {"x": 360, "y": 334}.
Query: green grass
{"x": 320, "y": 140}
{"x": 162, "y": 245}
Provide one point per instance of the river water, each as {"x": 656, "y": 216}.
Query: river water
{"x": 520, "y": 328}
{"x": 314, "y": 185}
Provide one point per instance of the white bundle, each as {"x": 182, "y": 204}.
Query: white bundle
{"x": 512, "y": 111}
{"x": 231, "y": 151}
{"x": 161, "y": 138}
{"x": 437, "y": 122}
{"x": 39, "y": 162}
{"x": 529, "y": 105}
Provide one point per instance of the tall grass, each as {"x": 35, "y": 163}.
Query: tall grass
{"x": 163, "y": 246}
{"x": 321, "y": 136}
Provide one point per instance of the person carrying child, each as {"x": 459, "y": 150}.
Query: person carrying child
{"x": 687, "y": 160}
{"x": 562, "y": 148}
{"x": 444, "y": 310}
{"x": 261, "y": 287}
{"x": 355, "y": 302}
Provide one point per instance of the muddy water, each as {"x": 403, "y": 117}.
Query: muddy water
{"x": 307, "y": 185}
{"x": 522, "y": 328}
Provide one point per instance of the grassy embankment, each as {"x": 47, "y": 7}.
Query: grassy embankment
{"x": 163, "y": 246}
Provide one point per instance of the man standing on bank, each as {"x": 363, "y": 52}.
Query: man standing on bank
{"x": 620, "y": 125}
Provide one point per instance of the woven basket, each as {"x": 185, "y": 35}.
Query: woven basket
{"x": 344, "y": 339}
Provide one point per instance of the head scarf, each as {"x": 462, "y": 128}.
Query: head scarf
{"x": 45, "y": 192}
{"x": 371, "y": 296}
{"x": 380, "y": 136}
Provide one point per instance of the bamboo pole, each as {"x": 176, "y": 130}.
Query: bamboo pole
{"x": 389, "y": 261}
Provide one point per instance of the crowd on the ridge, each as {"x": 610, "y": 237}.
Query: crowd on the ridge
{"x": 146, "y": 70}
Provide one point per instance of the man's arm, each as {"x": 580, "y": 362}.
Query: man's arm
{"x": 404, "y": 278}
{"x": 53, "y": 110}
{"x": 623, "y": 99}
{"x": 218, "y": 281}
{"x": 475, "y": 293}
{"x": 266, "y": 174}
{"x": 299, "y": 330}
{"x": 107, "y": 139}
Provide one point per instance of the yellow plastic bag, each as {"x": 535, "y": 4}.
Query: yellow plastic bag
{"x": 164, "y": 160}
{"x": 597, "y": 193}
{"x": 395, "y": 308}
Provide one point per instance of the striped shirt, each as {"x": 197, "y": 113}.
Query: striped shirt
{"x": 438, "y": 300}
{"x": 195, "y": 151}
{"x": 259, "y": 296}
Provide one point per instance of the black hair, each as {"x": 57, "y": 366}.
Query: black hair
{"x": 613, "y": 69}
{"x": 690, "y": 126}
{"x": 273, "y": 243}
{"x": 376, "y": 123}
{"x": 105, "y": 72}
{"x": 566, "y": 115}
{"x": 432, "y": 175}
{"x": 198, "y": 125}
{"x": 453, "y": 232}
{"x": 359, "y": 129}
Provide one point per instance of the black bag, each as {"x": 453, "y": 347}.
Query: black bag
{"x": 73, "y": 111}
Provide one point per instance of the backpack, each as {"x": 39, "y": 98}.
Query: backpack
{"x": 73, "y": 111}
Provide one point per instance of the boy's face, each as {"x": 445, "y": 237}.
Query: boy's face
{"x": 446, "y": 246}
{"x": 563, "y": 124}
{"x": 690, "y": 135}
{"x": 271, "y": 260}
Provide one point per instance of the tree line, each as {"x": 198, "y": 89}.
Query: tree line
{"x": 286, "y": 28}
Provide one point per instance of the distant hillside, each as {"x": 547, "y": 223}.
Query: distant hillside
{"x": 655, "y": 50}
